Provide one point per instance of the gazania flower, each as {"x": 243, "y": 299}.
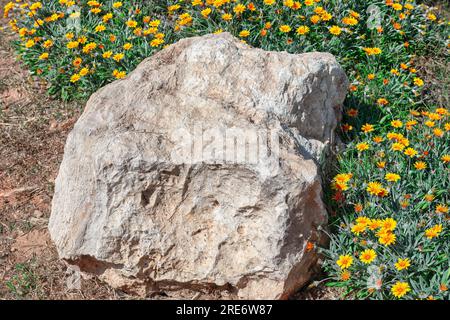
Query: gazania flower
{"x": 359, "y": 228}
{"x": 441, "y": 208}
{"x": 410, "y": 152}
{"x": 388, "y": 224}
{"x": 302, "y": 30}
{"x": 397, "y": 146}
{"x": 344, "y": 261}
{"x": 392, "y": 177}
{"x": 420, "y": 165}
{"x": 445, "y": 158}
{"x": 362, "y": 146}
{"x": 418, "y": 82}
{"x": 244, "y": 33}
{"x": 345, "y": 275}
{"x": 367, "y": 256}
{"x": 374, "y": 188}
{"x": 285, "y": 28}
{"x": 367, "y": 128}
{"x": 399, "y": 289}
{"x": 335, "y": 30}
{"x": 387, "y": 238}
{"x": 74, "y": 78}
{"x": 382, "y": 101}
{"x": 396, "y": 124}
{"x": 402, "y": 264}
{"x": 433, "y": 232}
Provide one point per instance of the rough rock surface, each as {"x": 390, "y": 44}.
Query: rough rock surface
{"x": 148, "y": 207}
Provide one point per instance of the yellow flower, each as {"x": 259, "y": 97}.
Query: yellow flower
{"x": 441, "y": 208}
{"x": 156, "y": 42}
{"x": 335, "y": 30}
{"x": 120, "y": 74}
{"x": 206, "y": 12}
{"x": 48, "y": 43}
{"x": 100, "y": 28}
{"x": 351, "y": 21}
{"x": 344, "y": 261}
{"x": 84, "y": 72}
{"x": 118, "y": 56}
{"x": 382, "y": 101}
{"x": 107, "y": 54}
{"x": 367, "y": 256}
{"x": 131, "y": 24}
{"x": 397, "y": 146}
{"x": 75, "y": 78}
{"x": 372, "y": 51}
{"x": 227, "y": 17}
{"x": 397, "y": 6}
{"x": 387, "y": 238}
{"x": 374, "y": 224}
{"x": 392, "y": 177}
{"x": 43, "y": 56}
{"x": 396, "y": 123}
{"x": 420, "y": 165}
{"x": 410, "y": 152}
{"x": 381, "y": 164}
{"x": 430, "y": 124}
{"x": 30, "y": 43}
{"x": 127, "y": 46}
{"x": 117, "y": 4}
{"x": 402, "y": 264}
{"x": 431, "y": 17}
{"x": 445, "y": 158}
{"x": 244, "y": 33}
{"x": 240, "y": 8}
{"x": 374, "y": 188}
{"x": 107, "y": 17}
{"x": 418, "y": 82}
{"x": 285, "y": 28}
{"x": 399, "y": 289}
{"x": 433, "y": 232}
{"x": 315, "y": 19}
{"x": 358, "y": 228}
{"x": 362, "y": 146}
{"x": 367, "y": 128}
{"x": 388, "y": 224}
{"x": 302, "y": 30}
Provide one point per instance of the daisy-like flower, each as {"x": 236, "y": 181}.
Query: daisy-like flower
{"x": 433, "y": 232}
{"x": 302, "y": 30}
{"x": 402, "y": 264}
{"x": 344, "y": 261}
{"x": 410, "y": 152}
{"x": 396, "y": 123}
{"x": 367, "y": 256}
{"x": 420, "y": 165}
{"x": 244, "y": 33}
{"x": 445, "y": 158}
{"x": 392, "y": 177}
{"x": 399, "y": 289}
{"x": 367, "y": 128}
{"x": 362, "y": 146}
{"x": 285, "y": 28}
{"x": 335, "y": 30}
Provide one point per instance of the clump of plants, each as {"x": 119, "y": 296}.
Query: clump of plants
{"x": 390, "y": 199}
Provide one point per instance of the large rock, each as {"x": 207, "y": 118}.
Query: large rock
{"x": 199, "y": 171}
